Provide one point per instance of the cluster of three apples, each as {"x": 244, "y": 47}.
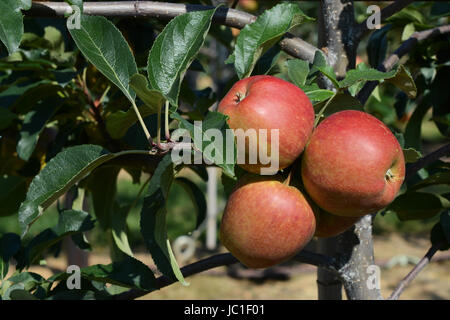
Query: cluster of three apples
{"x": 351, "y": 165}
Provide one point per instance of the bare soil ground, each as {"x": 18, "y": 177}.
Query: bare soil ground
{"x": 433, "y": 283}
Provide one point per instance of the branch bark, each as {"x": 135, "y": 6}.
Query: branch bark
{"x": 393, "y": 59}
{"x": 224, "y": 259}
{"x": 385, "y": 13}
{"x": 291, "y": 44}
{"x": 413, "y": 273}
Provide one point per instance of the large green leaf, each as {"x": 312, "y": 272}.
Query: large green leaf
{"x": 173, "y": 51}
{"x": 11, "y": 22}
{"x": 153, "y": 220}
{"x": 416, "y": 205}
{"x": 298, "y": 70}
{"x": 105, "y": 47}
{"x": 257, "y": 37}
{"x": 60, "y": 173}
{"x": 214, "y": 149}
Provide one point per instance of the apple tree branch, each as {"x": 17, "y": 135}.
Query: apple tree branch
{"x": 225, "y": 259}
{"x": 165, "y": 11}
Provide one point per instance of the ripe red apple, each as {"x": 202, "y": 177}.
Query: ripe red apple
{"x": 353, "y": 165}
{"x": 330, "y": 225}
{"x": 266, "y": 222}
{"x": 267, "y": 102}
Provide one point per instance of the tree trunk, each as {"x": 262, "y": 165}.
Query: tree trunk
{"x": 354, "y": 248}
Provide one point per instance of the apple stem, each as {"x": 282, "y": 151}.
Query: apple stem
{"x": 320, "y": 114}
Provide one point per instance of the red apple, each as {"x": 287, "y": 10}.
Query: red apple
{"x": 330, "y": 225}
{"x": 267, "y": 102}
{"x": 353, "y": 164}
{"x": 266, "y": 222}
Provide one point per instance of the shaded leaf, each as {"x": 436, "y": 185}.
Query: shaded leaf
{"x": 152, "y": 98}
{"x": 153, "y": 220}
{"x": 437, "y": 178}
{"x": 197, "y": 196}
{"x": 34, "y": 123}
{"x": 411, "y": 155}
{"x": 12, "y": 192}
{"x": 416, "y": 206}
{"x": 9, "y": 246}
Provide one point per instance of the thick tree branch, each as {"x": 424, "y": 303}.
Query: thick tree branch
{"x": 385, "y": 13}
{"x": 412, "y": 168}
{"x": 166, "y": 11}
{"x": 224, "y": 259}
{"x": 413, "y": 273}
{"x": 393, "y": 59}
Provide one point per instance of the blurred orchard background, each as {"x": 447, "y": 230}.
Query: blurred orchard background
{"x": 398, "y": 245}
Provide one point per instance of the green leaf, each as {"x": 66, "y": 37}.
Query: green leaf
{"x": 298, "y": 70}
{"x": 70, "y": 222}
{"x": 377, "y": 46}
{"x": 440, "y": 233}
{"x": 119, "y": 229}
{"x": 152, "y": 98}
{"x": 416, "y": 206}
{"x": 440, "y": 98}
{"x": 12, "y": 192}
{"x": 11, "y": 22}
{"x": 34, "y": 123}
{"x": 102, "y": 186}
{"x": 342, "y": 101}
{"x": 411, "y": 155}
{"x": 437, "y": 178}
{"x": 355, "y": 75}
{"x": 129, "y": 273}
{"x": 404, "y": 81}
{"x": 6, "y": 118}
{"x": 153, "y": 220}
{"x": 413, "y": 130}
{"x": 197, "y": 196}
{"x": 60, "y": 173}
{"x": 320, "y": 64}
{"x": 118, "y": 123}
{"x": 29, "y": 280}
{"x": 214, "y": 150}
{"x": 319, "y": 95}
{"x": 105, "y": 47}
{"x": 256, "y": 38}
{"x": 408, "y": 30}
{"x": 174, "y": 49}
{"x": 9, "y": 246}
